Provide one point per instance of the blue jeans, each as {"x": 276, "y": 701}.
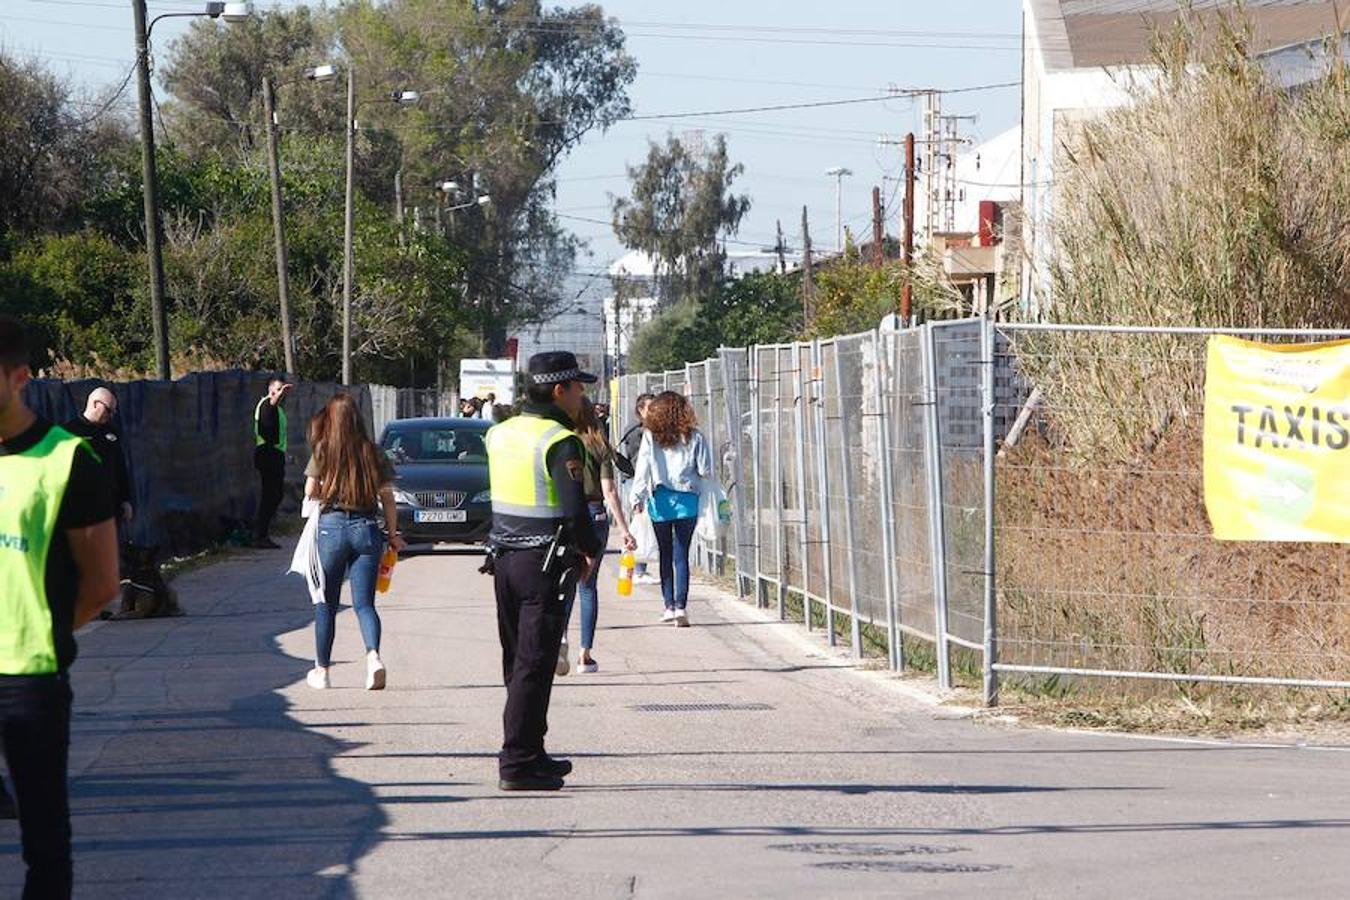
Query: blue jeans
{"x": 350, "y": 546}
{"x": 590, "y": 596}
{"x": 673, "y": 539}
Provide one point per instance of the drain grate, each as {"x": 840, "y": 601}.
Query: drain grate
{"x": 702, "y": 707}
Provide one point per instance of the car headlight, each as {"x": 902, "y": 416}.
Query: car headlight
{"x": 482, "y": 497}
{"x": 403, "y": 498}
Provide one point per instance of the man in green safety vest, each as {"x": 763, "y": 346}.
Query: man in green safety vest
{"x": 269, "y": 458}
{"x": 541, "y": 544}
{"x": 58, "y": 568}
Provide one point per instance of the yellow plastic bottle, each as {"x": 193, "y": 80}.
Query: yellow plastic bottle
{"x": 386, "y": 569}
{"x": 626, "y": 565}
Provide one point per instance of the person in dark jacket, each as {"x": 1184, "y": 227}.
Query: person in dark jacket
{"x": 96, "y": 427}
{"x": 269, "y": 458}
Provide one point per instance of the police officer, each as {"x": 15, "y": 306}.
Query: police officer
{"x": 269, "y": 458}
{"x": 541, "y": 544}
{"x": 58, "y": 568}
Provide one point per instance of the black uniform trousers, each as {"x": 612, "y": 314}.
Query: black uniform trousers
{"x": 531, "y": 617}
{"x": 35, "y": 731}
{"x": 271, "y": 466}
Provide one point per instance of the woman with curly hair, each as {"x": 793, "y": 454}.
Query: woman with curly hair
{"x": 673, "y": 461}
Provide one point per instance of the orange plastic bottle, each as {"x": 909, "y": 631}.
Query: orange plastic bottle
{"x": 626, "y": 566}
{"x": 386, "y": 569}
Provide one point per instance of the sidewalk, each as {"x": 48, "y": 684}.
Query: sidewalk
{"x": 722, "y": 760}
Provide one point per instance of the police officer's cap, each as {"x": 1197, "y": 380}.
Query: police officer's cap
{"x": 557, "y": 366}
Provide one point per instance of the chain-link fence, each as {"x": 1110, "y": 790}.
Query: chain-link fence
{"x": 1001, "y": 498}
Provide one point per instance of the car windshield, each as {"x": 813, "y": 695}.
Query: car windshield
{"x": 435, "y": 444}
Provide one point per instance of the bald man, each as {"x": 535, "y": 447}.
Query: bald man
{"x": 95, "y": 426}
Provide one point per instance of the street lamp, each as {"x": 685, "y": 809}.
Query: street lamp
{"x": 317, "y": 74}
{"x": 402, "y": 98}
{"x": 154, "y": 237}
{"x": 838, "y": 173}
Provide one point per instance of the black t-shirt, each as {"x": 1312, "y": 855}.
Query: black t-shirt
{"x": 88, "y": 500}
{"x": 107, "y": 443}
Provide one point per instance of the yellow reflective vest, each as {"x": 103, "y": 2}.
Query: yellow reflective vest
{"x": 32, "y": 485}
{"x": 525, "y": 502}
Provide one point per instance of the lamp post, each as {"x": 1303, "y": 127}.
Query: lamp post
{"x": 319, "y": 73}
{"x": 400, "y": 97}
{"x": 838, "y": 173}
{"x": 154, "y": 230}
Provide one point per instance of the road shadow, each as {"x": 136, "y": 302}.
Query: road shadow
{"x": 190, "y": 778}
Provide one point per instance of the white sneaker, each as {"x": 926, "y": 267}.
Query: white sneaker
{"x": 668, "y": 615}
{"x": 587, "y": 666}
{"x": 681, "y": 619}
{"x": 374, "y": 671}
{"x": 563, "y": 666}
{"x": 317, "y": 678}
{"x": 646, "y": 578}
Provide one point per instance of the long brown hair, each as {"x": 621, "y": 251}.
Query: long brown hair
{"x": 349, "y": 463}
{"x": 670, "y": 419}
{"x": 589, "y": 430}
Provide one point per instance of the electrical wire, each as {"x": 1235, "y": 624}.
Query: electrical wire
{"x": 108, "y": 104}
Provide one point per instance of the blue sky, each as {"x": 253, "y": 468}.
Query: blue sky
{"x": 695, "y": 56}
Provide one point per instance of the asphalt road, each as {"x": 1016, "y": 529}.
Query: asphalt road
{"x": 203, "y": 766}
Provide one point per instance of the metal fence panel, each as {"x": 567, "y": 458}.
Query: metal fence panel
{"x": 808, "y": 440}
{"x": 1107, "y": 481}
{"x": 741, "y": 484}
{"x": 904, "y": 395}
{"x": 856, "y": 359}
{"x": 792, "y": 517}
{"x": 960, "y": 435}
{"x": 768, "y": 454}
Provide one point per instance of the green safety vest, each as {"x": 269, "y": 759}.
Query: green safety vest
{"x": 524, "y": 497}
{"x": 281, "y": 426}
{"x": 32, "y": 484}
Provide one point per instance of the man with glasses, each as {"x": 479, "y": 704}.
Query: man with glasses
{"x": 96, "y": 427}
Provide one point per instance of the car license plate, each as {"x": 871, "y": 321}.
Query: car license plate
{"x": 440, "y": 515}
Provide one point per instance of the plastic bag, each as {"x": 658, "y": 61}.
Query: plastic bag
{"x": 714, "y": 511}
{"x": 305, "y": 561}
{"x": 645, "y": 535}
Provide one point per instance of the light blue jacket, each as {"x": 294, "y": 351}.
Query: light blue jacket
{"x": 683, "y": 467}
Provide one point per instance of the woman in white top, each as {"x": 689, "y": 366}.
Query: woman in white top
{"x": 673, "y": 462}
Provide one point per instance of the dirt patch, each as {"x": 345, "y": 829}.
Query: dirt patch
{"x": 1112, "y": 566}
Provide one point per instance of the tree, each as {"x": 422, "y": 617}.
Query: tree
{"x": 215, "y": 74}
{"x": 680, "y": 209}
{"x": 760, "y": 308}
{"x": 52, "y": 154}
{"x": 509, "y": 89}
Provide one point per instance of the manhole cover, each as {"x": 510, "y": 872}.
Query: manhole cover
{"x": 905, "y": 866}
{"x": 702, "y": 707}
{"x": 842, "y": 849}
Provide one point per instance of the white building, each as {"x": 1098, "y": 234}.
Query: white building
{"x": 1078, "y": 56}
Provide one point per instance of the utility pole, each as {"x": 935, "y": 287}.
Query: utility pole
{"x": 951, "y": 139}
{"x": 808, "y": 286}
{"x": 932, "y": 122}
{"x": 347, "y": 224}
{"x": 907, "y": 292}
{"x": 878, "y": 230}
{"x": 781, "y": 249}
{"x": 398, "y": 199}
{"x": 154, "y": 232}
{"x": 278, "y": 222}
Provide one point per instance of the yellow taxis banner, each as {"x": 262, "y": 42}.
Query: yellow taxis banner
{"x": 1277, "y": 440}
